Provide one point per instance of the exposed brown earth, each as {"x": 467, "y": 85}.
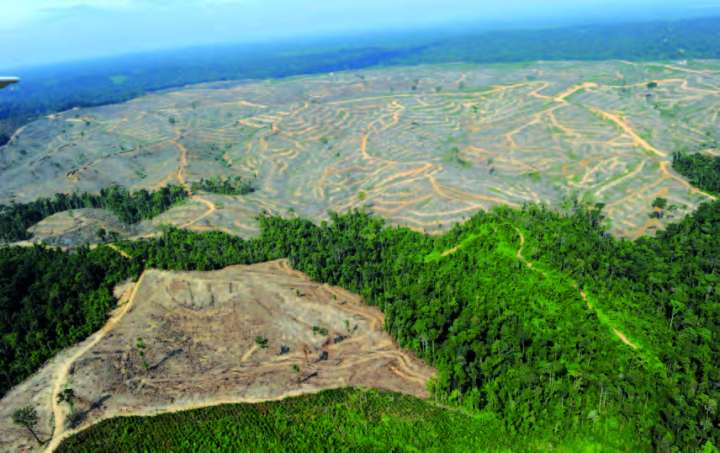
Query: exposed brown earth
{"x": 180, "y": 340}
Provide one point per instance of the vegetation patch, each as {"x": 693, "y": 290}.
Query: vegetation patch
{"x": 345, "y": 419}
{"x": 703, "y": 171}
{"x": 453, "y": 157}
{"x": 537, "y": 316}
{"x": 235, "y": 185}
{"x": 130, "y": 207}
{"x": 49, "y": 300}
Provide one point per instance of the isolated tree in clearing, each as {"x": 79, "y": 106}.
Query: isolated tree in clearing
{"x": 27, "y": 416}
{"x": 659, "y": 204}
{"x": 67, "y": 396}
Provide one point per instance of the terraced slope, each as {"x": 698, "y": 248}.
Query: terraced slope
{"x": 423, "y": 146}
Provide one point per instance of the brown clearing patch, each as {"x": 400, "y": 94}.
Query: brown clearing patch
{"x": 188, "y": 339}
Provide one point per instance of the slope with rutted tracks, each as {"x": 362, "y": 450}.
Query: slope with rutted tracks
{"x": 423, "y": 146}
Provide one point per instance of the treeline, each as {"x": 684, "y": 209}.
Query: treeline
{"x": 234, "y": 185}
{"x": 50, "y": 300}
{"x": 130, "y": 207}
{"x": 600, "y": 338}
{"x": 701, "y": 170}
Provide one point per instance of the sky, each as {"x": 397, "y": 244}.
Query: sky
{"x": 45, "y": 31}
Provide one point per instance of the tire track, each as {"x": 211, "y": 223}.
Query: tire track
{"x": 61, "y": 375}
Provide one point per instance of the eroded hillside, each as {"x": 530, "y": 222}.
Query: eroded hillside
{"x": 194, "y": 339}
{"x": 423, "y": 146}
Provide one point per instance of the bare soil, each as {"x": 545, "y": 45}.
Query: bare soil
{"x": 423, "y": 146}
{"x": 180, "y": 340}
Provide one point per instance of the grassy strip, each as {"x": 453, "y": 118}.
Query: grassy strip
{"x": 333, "y": 420}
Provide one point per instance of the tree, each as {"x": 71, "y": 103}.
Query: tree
{"x": 27, "y": 416}
{"x": 67, "y": 396}
{"x": 261, "y": 341}
{"x": 659, "y": 203}
{"x": 140, "y": 345}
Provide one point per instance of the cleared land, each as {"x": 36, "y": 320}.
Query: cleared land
{"x": 194, "y": 339}
{"x": 423, "y": 146}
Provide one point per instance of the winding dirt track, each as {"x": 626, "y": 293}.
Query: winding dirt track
{"x": 637, "y": 140}
{"x": 181, "y": 176}
{"x": 519, "y": 255}
{"x": 424, "y": 157}
{"x": 120, "y": 251}
{"x": 183, "y": 163}
{"x": 61, "y": 375}
{"x": 211, "y": 208}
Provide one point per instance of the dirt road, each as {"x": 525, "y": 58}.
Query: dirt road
{"x": 61, "y": 376}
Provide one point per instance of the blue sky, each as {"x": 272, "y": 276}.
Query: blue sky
{"x": 42, "y": 31}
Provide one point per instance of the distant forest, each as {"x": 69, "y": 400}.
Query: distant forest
{"x": 60, "y": 87}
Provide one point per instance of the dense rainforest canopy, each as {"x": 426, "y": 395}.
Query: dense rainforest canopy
{"x": 702, "y": 170}
{"x": 602, "y": 337}
{"x": 49, "y": 300}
